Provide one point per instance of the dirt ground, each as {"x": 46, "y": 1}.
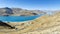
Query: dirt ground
{"x": 42, "y": 25}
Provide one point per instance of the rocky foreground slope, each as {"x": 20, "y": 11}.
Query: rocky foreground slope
{"x": 46, "y": 25}
{"x": 43, "y": 25}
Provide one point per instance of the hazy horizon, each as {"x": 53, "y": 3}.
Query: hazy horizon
{"x": 31, "y": 4}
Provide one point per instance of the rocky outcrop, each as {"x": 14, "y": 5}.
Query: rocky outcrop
{"x": 3, "y": 24}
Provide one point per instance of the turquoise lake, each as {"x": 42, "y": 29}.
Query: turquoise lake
{"x": 18, "y": 18}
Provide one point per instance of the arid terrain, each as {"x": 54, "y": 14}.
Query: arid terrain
{"x": 46, "y": 24}
{"x": 19, "y": 12}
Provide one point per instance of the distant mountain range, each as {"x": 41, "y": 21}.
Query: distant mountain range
{"x": 19, "y": 12}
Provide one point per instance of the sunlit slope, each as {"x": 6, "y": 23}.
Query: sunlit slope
{"x": 45, "y": 22}
{"x": 42, "y": 23}
{"x": 39, "y": 25}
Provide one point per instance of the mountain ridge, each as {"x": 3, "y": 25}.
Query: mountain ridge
{"x": 19, "y": 12}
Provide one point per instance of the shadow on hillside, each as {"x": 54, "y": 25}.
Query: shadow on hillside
{"x": 6, "y": 25}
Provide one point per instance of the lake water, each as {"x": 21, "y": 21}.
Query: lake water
{"x": 18, "y": 18}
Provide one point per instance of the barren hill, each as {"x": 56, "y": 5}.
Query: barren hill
{"x": 19, "y": 12}
{"x": 43, "y": 25}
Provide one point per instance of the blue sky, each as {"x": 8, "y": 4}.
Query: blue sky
{"x": 32, "y": 4}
